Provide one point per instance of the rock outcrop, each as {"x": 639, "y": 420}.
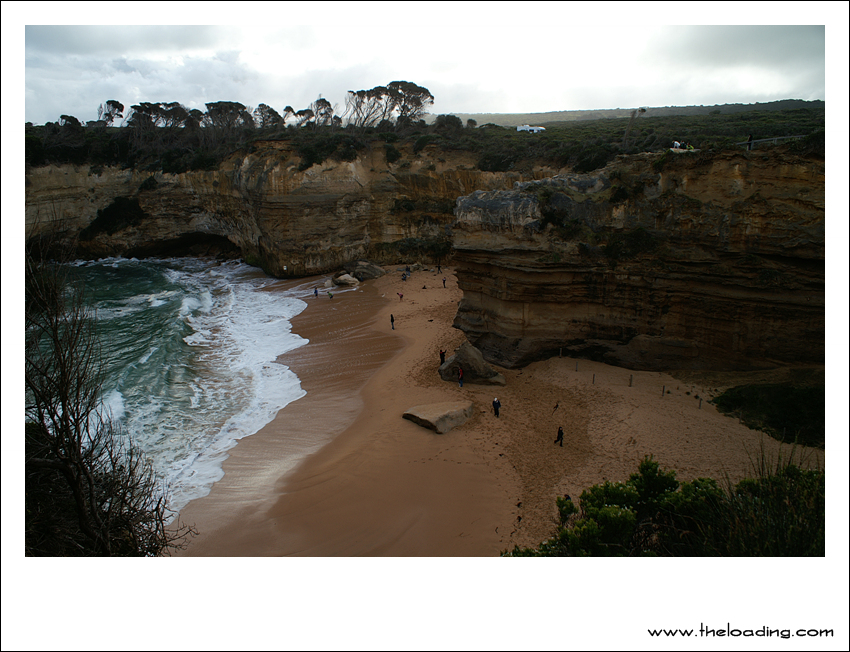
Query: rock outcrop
{"x": 475, "y": 369}
{"x": 345, "y": 279}
{"x": 441, "y": 417}
{"x": 699, "y": 262}
{"x": 259, "y": 206}
{"x": 363, "y": 270}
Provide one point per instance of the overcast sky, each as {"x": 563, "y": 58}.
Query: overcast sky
{"x": 472, "y": 57}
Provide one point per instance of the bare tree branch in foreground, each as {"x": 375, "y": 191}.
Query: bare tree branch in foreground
{"x": 89, "y": 489}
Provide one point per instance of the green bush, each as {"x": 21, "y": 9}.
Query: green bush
{"x": 392, "y": 153}
{"x": 784, "y": 411}
{"x": 779, "y": 512}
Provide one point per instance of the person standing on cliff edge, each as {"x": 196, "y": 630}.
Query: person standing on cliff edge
{"x": 496, "y": 406}
{"x": 560, "y": 437}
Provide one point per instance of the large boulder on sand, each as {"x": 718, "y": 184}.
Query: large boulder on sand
{"x": 475, "y": 370}
{"x": 345, "y": 279}
{"x": 363, "y": 270}
{"x": 441, "y": 417}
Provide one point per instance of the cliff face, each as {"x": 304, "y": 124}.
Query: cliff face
{"x": 669, "y": 261}
{"x": 655, "y": 262}
{"x": 260, "y": 207}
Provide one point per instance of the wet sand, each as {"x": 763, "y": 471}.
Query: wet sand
{"x": 378, "y": 485}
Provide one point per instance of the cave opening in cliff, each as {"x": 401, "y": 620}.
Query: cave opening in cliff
{"x": 188, "y": 244}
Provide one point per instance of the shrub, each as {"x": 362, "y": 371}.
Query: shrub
{"x": 423, "y": 141}
{"x": 784, "y": 411}
{"x": 392, "y": 153}
{"x": 779, "y": 512}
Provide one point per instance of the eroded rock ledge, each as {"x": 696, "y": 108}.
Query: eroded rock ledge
{"x": 686, "y": 262}
{"x": 259, "y": 206}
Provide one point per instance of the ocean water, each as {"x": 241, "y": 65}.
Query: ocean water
{"x": 189, "y": 347}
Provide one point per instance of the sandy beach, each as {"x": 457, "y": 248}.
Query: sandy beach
{"x": 378, "y": 485}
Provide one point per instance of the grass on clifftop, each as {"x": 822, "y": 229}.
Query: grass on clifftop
{"x": 582, "y": 146}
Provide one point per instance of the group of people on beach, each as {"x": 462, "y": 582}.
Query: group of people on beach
{"x": 497, "y": 405}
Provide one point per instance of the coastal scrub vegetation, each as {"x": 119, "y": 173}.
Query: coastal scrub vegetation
{"x": 785, "y": 411}
{"x": 779, "y": 512}
{"x": 89, "y": 490}
{"x": 171, "y": 138}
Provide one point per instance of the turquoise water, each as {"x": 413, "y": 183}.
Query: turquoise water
{"x": 190, "y": 347}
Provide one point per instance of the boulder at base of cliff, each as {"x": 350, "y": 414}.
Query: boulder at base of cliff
{"x": 475, "y": 370}
{"x": 345, "y": 279}
{"x": 363, "y": 270}
{"x": 440, "y": 417}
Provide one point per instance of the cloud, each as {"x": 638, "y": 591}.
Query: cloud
{"x": 90, "y": 40}
{"x": 558, "y": 64}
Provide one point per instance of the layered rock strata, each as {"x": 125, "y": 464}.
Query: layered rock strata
{"x": 690, "y": 261}
{"x": 261, "y": 207}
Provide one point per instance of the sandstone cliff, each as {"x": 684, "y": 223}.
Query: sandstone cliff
{"x": 689, "y": 261}
{"x": 261, "y": 207}
{"x": 658, "y": 261}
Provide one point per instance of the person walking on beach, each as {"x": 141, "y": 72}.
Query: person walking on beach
{"x": 316, "y": 292}
{"x": 442, "y": 357}
{"x": 560, "y": 437}
{"x": 400, "y": 296}
{"x": 392, "y": 322}
{"x": 496, "y": 406}
{"x": 330, "y": 295}
{"x": 460, "y": 376}
{"x": 444, "y": 281}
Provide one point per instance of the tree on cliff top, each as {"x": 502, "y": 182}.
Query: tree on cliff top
{"x": 89, "y": 490}
{"x": 110, "y": 110}
{"x": 402, "y": 100}
{"x": 411, "y": 101}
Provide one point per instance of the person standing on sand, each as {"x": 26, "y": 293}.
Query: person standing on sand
{"x": 439, "y": 270}
{"x": 496, "y": 406}
{"x": 392, "y": 322}
{"x": 460, "y": 376}
{"x": 316, "y": 292}
{"x": 560, "y": 437}
{"x": 400, "y": 296}
{"x": 444, "y": 281}
{"x": 442, "y": 357}
{"x": 330, "y": 295}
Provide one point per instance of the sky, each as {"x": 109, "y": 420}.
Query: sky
{"x": 474, "y": 58}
